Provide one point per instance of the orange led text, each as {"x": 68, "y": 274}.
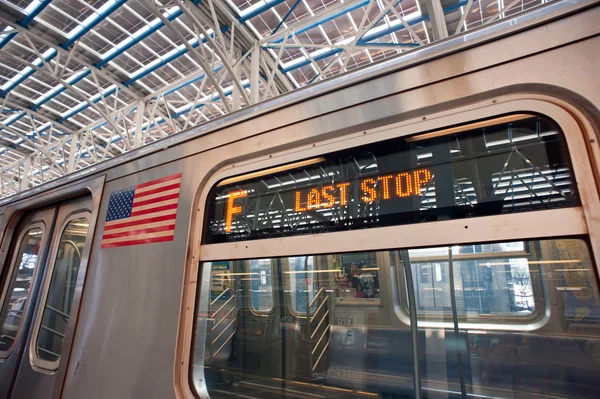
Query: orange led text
{"x": 233, "y": 209}
{"x": 399, "y": 185}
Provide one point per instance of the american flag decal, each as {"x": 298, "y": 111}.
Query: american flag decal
{"x": 142, "y": 214}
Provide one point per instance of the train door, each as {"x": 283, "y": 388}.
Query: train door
{"x": 20, "y": 280}
{"x": 297, "y": 289}
{"x": 243, "y": 315}
{"x": 307, "y": 282}
{"x": 41, "y": 293}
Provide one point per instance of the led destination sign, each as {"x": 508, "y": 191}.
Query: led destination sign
{"x": 381, "y": 187}
{"x": 510, "y": 164}
{"x": 399, "y": 185}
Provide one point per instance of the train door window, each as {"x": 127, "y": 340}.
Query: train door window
{"x": 261, "y": 280}
{"x": 302, "y": 282}
{"x": 490, "y": 279}
{"x": 18, "y": 285}
{"x": 64, "y": 270}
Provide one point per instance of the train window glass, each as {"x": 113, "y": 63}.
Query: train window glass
{"x": 514, "y": 163}
{"x": 358, "y": 276}
{"x": 490, "y": 279}
{"x": 261, "y": 280}
{"x": 18, "y": 287}
{"x": 556, "y": 357}
{"x": 363, "y": 348}
{"x": 57, "y": 308}
{"x": 301, "y": 277}
{"x": 345, "y": 277}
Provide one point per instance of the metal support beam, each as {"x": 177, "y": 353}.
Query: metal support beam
{"x": 24, "y": 178}
{"x": 306, "y": 24}
{"x": 38, "y": 115}
{"x": 73, "y": 149}
{"x": 218, "y": 48}
{"x": 59, "y": 51}
{"x": 139, "y": 123}
{"x": 64, "y": 107}
{"x": 437, "y": 20}
{"x": 254, "y": 73}
{"x": 237, "y": 77}
{"x": 463, "y": 17}
{"x": 204, "y": 63}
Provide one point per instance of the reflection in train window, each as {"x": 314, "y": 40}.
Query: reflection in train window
{"x": 261, "y": 280}
{"x": 351, "y": 276}
{"x": 57, "y": 310}
{"x": 18, "y": 288}
{"x": 358, "y": 276}
{"x": 489, "y": 279}
{"x": 302, "y": 283}
{"x": 521, "y": 306}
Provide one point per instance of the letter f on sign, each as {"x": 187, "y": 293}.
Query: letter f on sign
{"x": 232, "y": 209}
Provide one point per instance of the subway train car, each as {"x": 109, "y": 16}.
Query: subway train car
{"x": 427, "y": 226}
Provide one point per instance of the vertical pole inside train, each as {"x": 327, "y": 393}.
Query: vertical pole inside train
{"x": 281, "y": 298}
{"x": 412, "y": 303}
{"x": 461, "y": 375}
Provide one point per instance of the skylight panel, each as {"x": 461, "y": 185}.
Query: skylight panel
{"x": 34, "y": 5}
{"x": 142, "y": 33}
{"x": 25, "y": 72}
{"x": 249, "y": 10}
{"x": 71, "y": 80}
{"x": 93, "y": 19}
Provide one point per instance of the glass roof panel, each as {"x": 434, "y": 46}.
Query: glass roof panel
{"x": 21, "y": 4}
{"x": 126, "y": 43}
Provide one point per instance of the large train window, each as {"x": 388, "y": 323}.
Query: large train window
{"x": 500, "y": 279}
{"x": 512, "y": 164}
{"x": 20, "y": 279}
{"x": 351, "y": 345}
{"x": 401, "y": 298}
{"x": 51, "y": 328}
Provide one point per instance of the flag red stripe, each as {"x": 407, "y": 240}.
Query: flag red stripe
{"x": 157, "y": 181}
{"x": 157, "y": 199}
{"x": 157, "y": 190}
{"x": 137, "y": 232}
{"x": 153, "y": 210}
{"x": 137, "y": 242}
{"x": 141, "y": 221}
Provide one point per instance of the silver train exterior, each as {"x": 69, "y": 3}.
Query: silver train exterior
{"x": 136, "y": 324}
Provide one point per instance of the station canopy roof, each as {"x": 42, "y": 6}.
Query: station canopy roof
{"x": 82, "y": 81}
